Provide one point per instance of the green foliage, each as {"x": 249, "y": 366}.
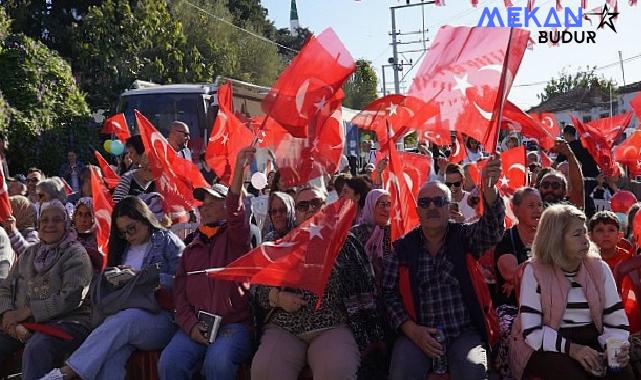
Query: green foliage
{"x": 5, "y": 23}
{"x": 360, "y": 88}
{"x": 566, "y": 82}
{"x": 117, "y": 44}
{"x": 284, "y": 37}
{"x": 48, "y": 112}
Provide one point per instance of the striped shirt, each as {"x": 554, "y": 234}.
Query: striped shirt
{"x": 577, "y": 313}
{"x": 20, "y": 242}
{"x": 129, "y": 185}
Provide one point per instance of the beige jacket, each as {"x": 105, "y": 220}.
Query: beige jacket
{"x": 59, "y": 293}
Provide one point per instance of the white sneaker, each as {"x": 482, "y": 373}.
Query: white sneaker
{"x": 55, "y": 374}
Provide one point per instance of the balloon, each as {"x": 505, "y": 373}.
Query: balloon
{"x": 259, "y": 180}
{"x": 622, "y": 200}
{"x": 117, "y": 147}
{"x": 107, "y": 146}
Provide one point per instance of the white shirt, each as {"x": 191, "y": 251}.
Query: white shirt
{"x": 468, "y": 212}
{"x": 135, "y": 255}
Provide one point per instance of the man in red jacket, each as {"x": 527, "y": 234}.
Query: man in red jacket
{"x": 222, "y": 237}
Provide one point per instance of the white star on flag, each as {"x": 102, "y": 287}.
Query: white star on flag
{"x": 638, "y": 164}
{"x": 320, "y": 104}
{"x": 314, "y": 230}
{"x": 504, "y": 181}
{"x": 392, "y": 109}
{"x": 397, "y": 216}
{"x": 225, "y": 139}
{"x": 462, "y": 84}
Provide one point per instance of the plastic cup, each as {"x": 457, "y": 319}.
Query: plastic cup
{"x": 602, "y": 370}
{"x": 613, "y": 346}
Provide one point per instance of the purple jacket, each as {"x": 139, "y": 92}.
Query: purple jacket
{"x": 198, "y": 292}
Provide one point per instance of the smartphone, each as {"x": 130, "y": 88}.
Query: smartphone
{"x": 454, "y": 207}
{"x": 212, "y": 321}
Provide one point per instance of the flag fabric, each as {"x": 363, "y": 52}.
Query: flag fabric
{"x": 416, "y": 170}
{"x": 102, "y": 209}
{"x": 469, "y": 71}
{"x": 458, "y": 152}
{"x": 514, "y": 168}
{"x": 47, "y": 329}
{"x": 312, "y": 79}
{"x": 549, "y": 123}
{"x": 303, "y": 259}
{"x": 629, "y": 153}
{"x": 514, "y": 119}
{"x": 5, "y": 206}
{"x": 610, "y": 127}
{"x": 108, "y": 174}
{"x": 116, "y": 125}
{"x": 546, "y": 162}
{"x": 176, "y": 186}
{"x": 597, "y": 145}
{"x": 228, "y": 136}
{"x": 66, "y": 186}
{"x": 635, "y": 103}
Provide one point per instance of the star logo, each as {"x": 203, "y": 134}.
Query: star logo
{"x": 462, "y": 84}
{"x": 607, "y": 18}
{"x": 392, "y": 109}
{"x": 504, "y": 181}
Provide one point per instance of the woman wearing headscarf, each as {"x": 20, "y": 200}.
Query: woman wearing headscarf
{"x": 281, "y": 215}
{"x": 84, "y": 223}
{"x": 146, "y": 256}
{"x": 21, "y": 227}
{"x": 47, "y": 285}
{"x": 374, "y": 231}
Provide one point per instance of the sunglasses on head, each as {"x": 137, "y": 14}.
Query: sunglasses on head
{"x": 303, "y": 206}
{"x": 455, "y": 184}
{"x": 553, "y": 185}
{"x": 424, "y": 202}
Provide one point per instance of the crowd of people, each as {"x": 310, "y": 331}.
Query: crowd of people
{"x": 537, "y": 300}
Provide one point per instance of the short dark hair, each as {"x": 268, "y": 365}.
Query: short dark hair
{"x": 569, "y": 130}
{"x": 604, "y": 217}
{"x": 453, "y": 168}
{"x": 360, "y": 187}
{"x": 34, "y": 170}
{"x": 136, "y": 143}
{"x": 339, "y": 182}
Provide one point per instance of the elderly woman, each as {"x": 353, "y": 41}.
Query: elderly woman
{"x": 281, "y": 215}
{"x": 330, "y": 338}
{"x": 374, "y": 231}
{"x": 147, "y": 254}
{"x": 21, "y": 227}
{"x": 85, "y": 224}
{"x": 569, "y": 305}
{"x": 47, "y": 285}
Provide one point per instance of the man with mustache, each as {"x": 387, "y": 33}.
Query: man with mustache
{"x": 554, "y": 187}
{"x": 427, "y": 284}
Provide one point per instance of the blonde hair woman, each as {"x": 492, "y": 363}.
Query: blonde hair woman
{"x": 569, "y": 304}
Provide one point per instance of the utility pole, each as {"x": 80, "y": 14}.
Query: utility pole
{"x": 621, "y": 63}
{"x": 384, "y": 83}
{"x": 398, "y": 66}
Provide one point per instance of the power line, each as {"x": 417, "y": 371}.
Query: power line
{"x": 239, "y": 28}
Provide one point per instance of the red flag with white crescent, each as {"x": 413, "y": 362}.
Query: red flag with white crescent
{"x": 629, "y": 153}
{"x": 458, "y": 151}
{"x": 102, "y": 210}
{"x": 5, "y": 206}
{"x": 302, "y": 259}
{"x": 116, "y": 125}
{"x": 514, "y": 119}
{"x": 514, "y": 169}
{"x": 111, "y": 178}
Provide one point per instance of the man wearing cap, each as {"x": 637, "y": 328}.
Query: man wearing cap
{"x": 178, "y": 138}
{"x": 222, "y": 237}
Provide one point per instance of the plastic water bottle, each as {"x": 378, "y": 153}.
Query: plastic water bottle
{"x": 439, "y": 364}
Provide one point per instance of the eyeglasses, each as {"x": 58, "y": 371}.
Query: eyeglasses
{"x": 315, "y": 204}
{"x": 276, "y": 211}
{"x": 384, "y": 205}
{"x": 553, "y": 185}
{"x": 455, "y": 184}
{"x": 129, "y": 231}
{"x": 424, "y": 202}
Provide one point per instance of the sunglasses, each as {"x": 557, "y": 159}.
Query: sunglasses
{"x": 276, "y": 211}
{"x": 315, "y": 204}
{"x": 455, "y": 184}
{"x": 424, "y": 202}
{"x": 129, "y": 231}
{"x": 553, "y": 185}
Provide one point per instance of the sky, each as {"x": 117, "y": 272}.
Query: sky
{"x": 364, "y": 28}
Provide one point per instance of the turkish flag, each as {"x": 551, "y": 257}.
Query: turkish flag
{"x": 598, "y": 146}
{"x": 67, "y": 187}
{"x": 514, "y": 168}
{"x": 175, "y": 186}
{"x": 468, "y": 72}
{"x": 228, "y": 136}
{"x": 303, "y": 259}
{"x": 514, "y": 119}
{"x": 549, "y": 123}
{"x": 313, "y": 77}
{"x": 5, "y": 206}
{"x": 635, "y": 103}
{"x": 546, "y": 162}
{"x": 109, "y": 175}
{"x": 629, "y": 153}
{"x": 610, "y": 127}
{"x": 416, "y": 169}
{"x": 404, "y": 215}
{"x": 116, "y": 125}
{"x": 458, "y": 151}
{"x": 301, "y": 159}
{"x": 102, "y": 210}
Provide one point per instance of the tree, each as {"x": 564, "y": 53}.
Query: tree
{"x": 285, "y": 38}
{"x": 566, "y": 82}
{"x": 360, "y": 88}
{"x": 48, "y": 113}
{"x": 117, "y": 44}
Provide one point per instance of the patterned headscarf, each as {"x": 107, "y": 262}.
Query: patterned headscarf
{"x": 374, "y": 245}
{"x": 288, "y": 201}
{"x": 24, "y": 211}
{"x": 48, "y": 253}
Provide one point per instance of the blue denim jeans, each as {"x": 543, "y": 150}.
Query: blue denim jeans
{"x": 183, "y": 356}
{"x": 466, "y": 359}
{"x": 105, "y": 352}
{"x": 43, "y": 352}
